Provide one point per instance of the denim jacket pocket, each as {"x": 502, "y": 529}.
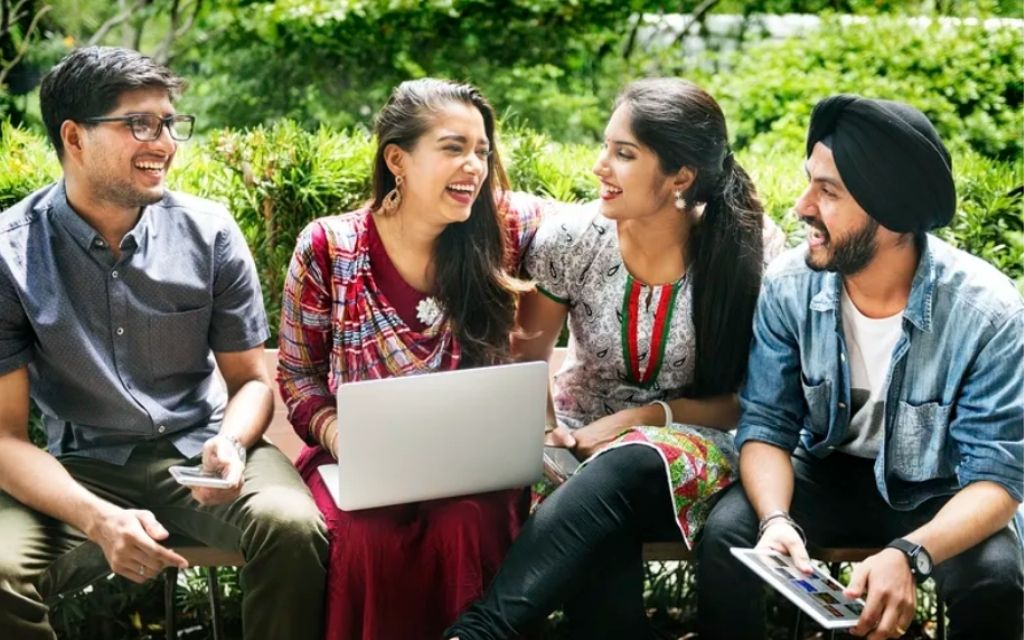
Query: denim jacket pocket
{"x": 818, "y": 398}
{"x": 179, "y": 342}
{"x": 918, "y": 443}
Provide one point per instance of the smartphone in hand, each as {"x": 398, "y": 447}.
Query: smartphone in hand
{"x": 559, "y": 464}
{"x": 198, "y": 477}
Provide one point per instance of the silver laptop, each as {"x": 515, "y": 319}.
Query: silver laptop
{"x": 438, "y": 435}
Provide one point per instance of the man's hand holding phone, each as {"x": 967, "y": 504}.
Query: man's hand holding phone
{"x": 219, "y": 479}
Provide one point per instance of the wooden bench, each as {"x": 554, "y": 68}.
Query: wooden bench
{"x": 280, "y": 433}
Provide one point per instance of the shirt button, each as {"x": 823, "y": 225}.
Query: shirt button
{"x": 842, "y": 405}
{"x": 113, "y": 274}
{"x": 120, "y": 331}
{"x": 842, "y": 357}
{"x": 161, "y": 428}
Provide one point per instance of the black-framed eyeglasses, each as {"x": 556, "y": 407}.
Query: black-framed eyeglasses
{"x": 147, "y": 127}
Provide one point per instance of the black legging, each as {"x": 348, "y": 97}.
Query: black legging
{"x": 582, "y": 548}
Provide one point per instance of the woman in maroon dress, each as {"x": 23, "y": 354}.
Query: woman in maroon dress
{"x": 415, "y": 282}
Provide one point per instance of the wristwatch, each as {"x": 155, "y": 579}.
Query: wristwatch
{"x": 917, "y": 557}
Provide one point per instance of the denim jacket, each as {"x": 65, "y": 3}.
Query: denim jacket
{"x": 954, "y": 409}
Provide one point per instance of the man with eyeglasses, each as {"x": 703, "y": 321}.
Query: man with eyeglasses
{"x": 114, "y": 294}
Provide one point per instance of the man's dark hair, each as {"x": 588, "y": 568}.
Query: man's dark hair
{"x": 88, "y": 83}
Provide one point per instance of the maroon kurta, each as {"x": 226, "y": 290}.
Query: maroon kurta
{"x": 407, "y": 571}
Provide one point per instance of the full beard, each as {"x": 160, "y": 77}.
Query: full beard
{"x": 849, "y": 256}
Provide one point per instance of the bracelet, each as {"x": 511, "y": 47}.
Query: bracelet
{"x": 668, "y": 412}
{"x": 328, "y": 438}
{"x": 766, "y": 521}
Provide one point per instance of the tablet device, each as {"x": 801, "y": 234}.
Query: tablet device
{"x": 198, "y": 477}
{"x": 819, "y": 595}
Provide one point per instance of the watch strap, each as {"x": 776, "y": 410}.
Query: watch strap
{"x": 910, "y": 550}
{"x": 906, "y": 546}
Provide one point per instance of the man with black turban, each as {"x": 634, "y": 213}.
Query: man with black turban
{"x": 884, "y": 401}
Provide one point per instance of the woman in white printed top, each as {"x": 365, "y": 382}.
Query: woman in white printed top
{"x": 658, "y": 283}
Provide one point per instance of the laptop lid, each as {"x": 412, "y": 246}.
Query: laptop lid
{"x": 438, "y": 435}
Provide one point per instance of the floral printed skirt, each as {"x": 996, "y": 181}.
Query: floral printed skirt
{"x": 699, "y": 462}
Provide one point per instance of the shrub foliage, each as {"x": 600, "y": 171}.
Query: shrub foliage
{"x": 276, "y": 179}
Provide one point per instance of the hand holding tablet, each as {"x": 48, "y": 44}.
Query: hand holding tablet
{"x": 819, "y": 595}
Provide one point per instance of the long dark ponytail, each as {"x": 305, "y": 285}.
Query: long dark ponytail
{"x": 686, "y": 128}
{"x": 470, "y": 257}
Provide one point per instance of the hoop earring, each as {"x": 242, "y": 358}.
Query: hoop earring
{"x": 680, "y": 201}
{"x": 393, "y": 200}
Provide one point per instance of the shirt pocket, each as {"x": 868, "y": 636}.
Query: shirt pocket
{"x": 818, "y": 398}
{"x": 917, "y": 447}
{"x": 179, "y": 343}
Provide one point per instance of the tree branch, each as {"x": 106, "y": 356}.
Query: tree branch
{"x": 26, "y": 40}
{"x": 114, "y": 21}
{"x": 697, "y": 16}
{"x": 5, "y": 12}
{"x": 14, "y": 16}
{"x": 627, "y": 51}
{"x": 175, "y": 31}
{"x": 191, "y": 19}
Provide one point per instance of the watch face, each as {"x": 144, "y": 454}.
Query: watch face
{"x": 923, "y": 563}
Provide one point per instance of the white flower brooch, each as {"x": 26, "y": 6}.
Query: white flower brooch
{"x": 428, "y": 311}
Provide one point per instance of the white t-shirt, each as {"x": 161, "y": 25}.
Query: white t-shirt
{"x": 869, "y": 345}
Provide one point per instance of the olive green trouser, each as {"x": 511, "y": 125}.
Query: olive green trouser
{"x": 274, "y": 523}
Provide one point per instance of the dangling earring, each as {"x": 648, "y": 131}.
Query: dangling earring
{"x": 680, "y": 201}
{"x": 393, "y": 200}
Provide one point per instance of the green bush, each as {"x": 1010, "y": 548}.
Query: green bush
{"x": 328, "y": 62}
{"x": 990, "y": 223}
{"x": 276, "y": 179}
{"x": 27, "y": 162}
{"x": 965, "y": 77}
{"x": 558, "y": 65}
{"x": 323, "y": 63}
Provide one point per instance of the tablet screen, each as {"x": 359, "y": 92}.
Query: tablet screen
{"x": 818, "y": 594}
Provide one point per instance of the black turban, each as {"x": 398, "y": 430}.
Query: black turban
{"x": 890, "y": 158}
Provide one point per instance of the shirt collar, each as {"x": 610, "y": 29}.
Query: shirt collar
{"x": 83, "y": 233}
{"x": 922, "y": 289}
